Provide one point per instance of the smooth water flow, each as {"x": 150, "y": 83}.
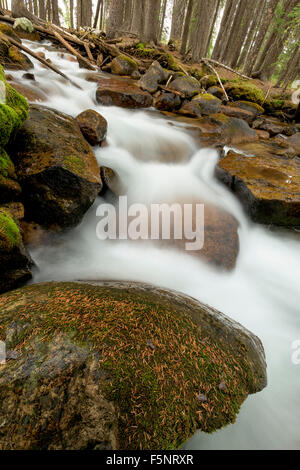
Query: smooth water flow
{"x": 156, "y": 161}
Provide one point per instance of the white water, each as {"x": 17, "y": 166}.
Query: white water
{"x": 263, "y": 291}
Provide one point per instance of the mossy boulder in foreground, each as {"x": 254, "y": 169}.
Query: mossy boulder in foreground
{"x": 119, "y": 365}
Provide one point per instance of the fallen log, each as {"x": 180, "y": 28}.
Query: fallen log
{"x": 73, "y": 51}
{"x": 40, "y": 59}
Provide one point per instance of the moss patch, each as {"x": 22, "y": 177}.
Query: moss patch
{"x": 9, "y": 232}
{"x": 73, "y": 164}
{"x": 241, "y": 90}
{"x": 158, "y": 362}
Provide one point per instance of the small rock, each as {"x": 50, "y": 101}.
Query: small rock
{"x": 123, "y": 65}
{"x": 202, "y": 398}
{"x": 188, "y": 86}
{"x": 151, "y": 345}
{"x": 93, "y": 126}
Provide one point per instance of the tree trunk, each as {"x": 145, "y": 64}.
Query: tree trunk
{"x": 226, "y": 15}
{"x": 151, "y": 24}
{"x": 177, "y": 19}
{"x": 55, "y": 12}
{"x": 186, "y": 28}
{"x": 137, "y": 23}
{"x": 115, "y": 18}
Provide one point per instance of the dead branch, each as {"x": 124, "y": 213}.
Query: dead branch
{"x": 218, "y": 77}
{"x": 73, "y": 51}
{"x": 40, "y": 59}
{"x": 226, "y": 67}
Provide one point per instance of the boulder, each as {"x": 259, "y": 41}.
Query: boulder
{"x": 125, "y": 93}
{"x": 93, "y": 126}
{"x": 13, "y": 111}
{"x": 233, "y": 130}
{"x": 188, "y": 86}
{"x": 242, "y": 90}
{"x": 116, "y": 360}
{"x": 14, "y": 260}
{"x": 123, "y": 65}
{"x": 274, "y": 126}
{"x": 32, "y": 93}
{"x": 56, "y": 168}
{"x": 167, "y": 101}
{"x": 208, "y": 104}
{"x": 216, "y": 91}
{"x": 268, "y": 184}
{"x": 153, "y": 77}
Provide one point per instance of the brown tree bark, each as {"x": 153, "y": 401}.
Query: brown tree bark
{"x": 137, "y": 23}
{"x": 151, "y": 23}
{"x": 55, "y": 12}
{"x": 177, "y": 19}
{"x": 115, "y": 18}
{"x": 186, "y": 28}
{"x": 225, "y": 19}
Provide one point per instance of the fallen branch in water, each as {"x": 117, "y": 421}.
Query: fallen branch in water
{"x": 73, "y": 51}
{"x": 40, "y": 59}
{"x": 218, "y": 77}
{"x": 227, "y": 68}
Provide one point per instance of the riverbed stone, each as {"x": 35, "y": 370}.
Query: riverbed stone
{"x": 123, "y": 65}
{"x": 93, "y": 126}
{"x": 94, "y": 383}
{"x": 115, "y": 91}
{"x": 274, "y": 126}
{"x": 56, "y": 168}
{"x": 167, "y": 101}
{"x": 153, "y": 77}
{"x": 267, "y": 183}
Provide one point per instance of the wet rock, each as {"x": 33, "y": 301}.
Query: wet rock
{"x": 243, "y": 90}
{"x": 188, "y": 86}
{"x": 294, "y": 141}
{"x": 167, "y": 101}
{"x": 262, "y": 134}
{"x": 268, "y": 184}
{"x": 234, "y": 111}
{"x": 11, "y": 58}
{"x": 93, "y": 126}
{"x": 14, "y": 260}
{"x": 233, "y": 130}
{"x": 123, "y": 65}
{"x": 208, "y": 104}
{"x": 253, "y": 108}
{"x": 29, "y": 76}
{"x": 153, "y": 77}
{"x": 122, "y": 92}
{"x": 102, "y": 386}
{"x": 31, "y": 93}
{"x": 56, "y": 168}
{"x": 274, "y": 126}
{"x": 190, "y": 108}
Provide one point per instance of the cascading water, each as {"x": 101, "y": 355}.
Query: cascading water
{"x": 157, "y": 161}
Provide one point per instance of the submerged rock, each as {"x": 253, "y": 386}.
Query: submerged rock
{"x": 31, "y": 93}
{"x": 93, "y": 126}
{"x": 268, "y": 184}
{"x": 56, "y": 168}
{"x": 116, "y": 361}
{"x": 115, "y": 91}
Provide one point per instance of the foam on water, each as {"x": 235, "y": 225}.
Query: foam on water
{"x": 262, "y": 292}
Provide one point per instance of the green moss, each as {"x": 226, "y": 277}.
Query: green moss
{"x": 241, "y": 90}
{"x": 13, "y": 111}
{"x": 172, "y": 64}
{"x": 220, "y": 118}
{"x": 130, "y": 61}
{"x": 74, "y": 164}
{"x": 155, "y": 388}
{"x": 273, "y": 105}
{"x": 196, "y": 73}
{"x": 9, "y": 232}
{"x": 15, "y": 55}
{"x": 7, "y": 168}
{"x": 206, "y": 96}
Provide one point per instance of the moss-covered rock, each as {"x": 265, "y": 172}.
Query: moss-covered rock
{"x": 141, "y": 358}
{"x": 123, "y": 65}
{"x": 244, "y": 90}
{"x": 56, "y": 168}
{"x": 210, "y": 81}
{"x": 14, "y": 259}
{"x": 10, "y": 56}
{"x": 155, "y": 75}
{"x": 187, "y": 86}
{"x": 208, "y": 104}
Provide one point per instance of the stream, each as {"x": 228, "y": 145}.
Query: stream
{"x": 156, "y": 159}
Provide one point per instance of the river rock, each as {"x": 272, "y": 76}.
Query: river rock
{"x": 188, "y": 86}
{"x": 232, "y": 130}
{"x": 123, "y": 65}
{"x": 14, "y": 260}
{"x": 243, "y": 90}
{"x": 115, "y": 91}
{"x": 208, "y": 104}
{"x": 167, "y": 101}
{"x": 234, "y": 111}
{"x": 294, "y": 141}
{"x": 93, "y": 126}
{"x": 94, "y": 383}
{"x": 274, "y": 126}
{"x": 56, "y": 168}
{"x": 216, "y": 91}
{"x": 153, "y": 77}
{"x": 268, "y": 184}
